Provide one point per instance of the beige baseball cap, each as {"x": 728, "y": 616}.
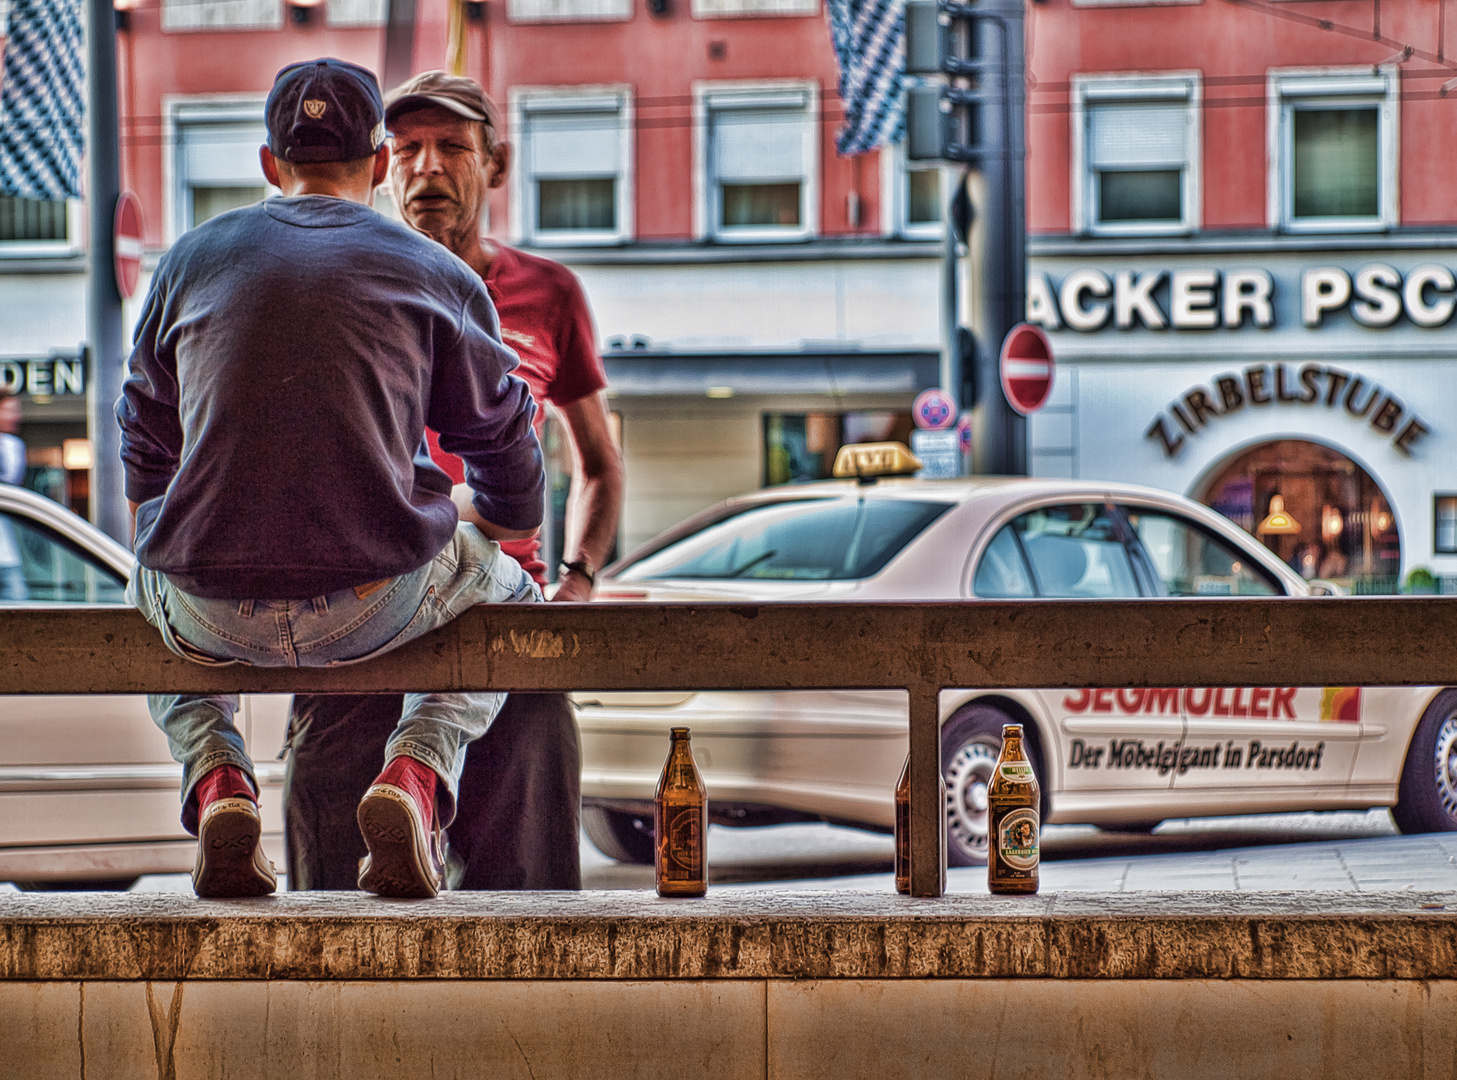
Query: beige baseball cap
{"x": 460, "y": 95}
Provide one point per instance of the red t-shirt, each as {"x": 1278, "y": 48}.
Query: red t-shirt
{"x": 545, "y": 318}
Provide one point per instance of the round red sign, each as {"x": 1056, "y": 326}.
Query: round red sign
{"x": 1026, "y": 368}
{"x": 127, "y": 244}
{"x": 933, "y": 410}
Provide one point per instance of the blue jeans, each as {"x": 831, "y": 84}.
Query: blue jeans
{"x": 342, "y": 627}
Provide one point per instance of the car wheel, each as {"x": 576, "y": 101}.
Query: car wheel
{"x": 1426, "y": 801}
{"x": 970, "y": 743}
{"x": 618, "y": 835}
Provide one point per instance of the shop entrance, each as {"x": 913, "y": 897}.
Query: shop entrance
{"x": 1315, "y": 508}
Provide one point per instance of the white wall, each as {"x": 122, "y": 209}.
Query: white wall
{"x": 883, "y": 303}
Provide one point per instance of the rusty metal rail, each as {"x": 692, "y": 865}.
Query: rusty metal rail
{"x": 920, "y": 648}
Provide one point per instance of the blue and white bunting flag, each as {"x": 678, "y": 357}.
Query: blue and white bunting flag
{"x": 870, "y": 43}
{"x": 42, "y": 100}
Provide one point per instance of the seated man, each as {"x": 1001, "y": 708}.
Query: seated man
{"x": 286, "y": 364}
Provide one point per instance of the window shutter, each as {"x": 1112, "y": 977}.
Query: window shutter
{"x": 1137, "y": 136}
{"x": 222, "y": 155}
{"x": 758, "y": 145}
{"x": 574, "y": 144}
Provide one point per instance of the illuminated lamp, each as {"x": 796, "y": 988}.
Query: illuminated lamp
{"x": 1382, "y": 522}
{"x": 76, "y": 454}
{"x": 1331, "y": 524}
{"x": 1278, "y": 523}
{"x": 123, "y": 10}
{"x": 299, "y": 10}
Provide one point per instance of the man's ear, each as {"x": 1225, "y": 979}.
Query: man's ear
{"x": 501, "y": 158}
{"x": 381, "y": 165}
{"x": 270, "y": 166}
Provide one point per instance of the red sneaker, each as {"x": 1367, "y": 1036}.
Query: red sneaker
{"x": 397, "y": 817}
{"x": 230, "y": 859}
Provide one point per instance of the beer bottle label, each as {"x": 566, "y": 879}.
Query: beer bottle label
{"x": 683, "y": 843}
{"x": 1017, "y": 839}
{"x": 1016, "y": 772}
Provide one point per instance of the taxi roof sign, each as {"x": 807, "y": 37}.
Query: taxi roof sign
{"x": 869, "y": 460}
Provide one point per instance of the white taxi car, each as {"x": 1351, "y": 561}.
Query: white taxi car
{"x": 1125, "y": 758}
{"x": 88, "y": 790}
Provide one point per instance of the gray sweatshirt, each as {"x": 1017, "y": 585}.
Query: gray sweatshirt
{"x": 285, "y": 366}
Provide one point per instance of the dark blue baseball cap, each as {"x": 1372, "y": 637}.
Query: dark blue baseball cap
{"x": 324, "y": 110}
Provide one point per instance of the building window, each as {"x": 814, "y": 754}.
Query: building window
{"x": 574, "y": 180}
{"x": 801, "y": 447}
{"x": 33, "y": 220}
{"x": 727, "y": 9}
{"x": 568, "y": 10}
{"x": 1136, "y": 154}
{"x": 759, "y": 159}
{"x": 220, "y": 14}
{"x": 215, "y": 163}
{"x": 1335, "y": 140}
{"x": 355, "y": 12}
{"x": 1444, "y": 513}
{"x": 915, "y": 190}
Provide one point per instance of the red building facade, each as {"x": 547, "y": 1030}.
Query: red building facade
{"x": 1214, "y": 187}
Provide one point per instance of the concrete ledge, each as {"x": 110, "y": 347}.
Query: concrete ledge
{"x": 323, "y": 937}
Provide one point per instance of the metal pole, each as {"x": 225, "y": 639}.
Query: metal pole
{"x": 105, "y": 356}
{"x": 1000, "y": 432}
{"x": 951, "y": 299}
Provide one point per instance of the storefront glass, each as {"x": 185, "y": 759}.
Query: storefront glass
{"x": 799, "y": 447}
{"x": 1315, "y": 508}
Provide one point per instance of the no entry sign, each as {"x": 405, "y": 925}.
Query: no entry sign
{"x": 127, "y": 244}
{"x": 1026, "y": 368}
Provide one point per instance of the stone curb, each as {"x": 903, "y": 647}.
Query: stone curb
{"x": 636, "y": 936}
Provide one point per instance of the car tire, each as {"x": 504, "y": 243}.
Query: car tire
{"x": 970, "y": 743}
{"x": 619, "y": 835}
{"x": 1426, "y": 801}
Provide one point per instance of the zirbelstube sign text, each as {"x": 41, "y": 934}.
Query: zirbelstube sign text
{"x": 1310, "y": 385}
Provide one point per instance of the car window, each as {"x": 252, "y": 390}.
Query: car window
{"x": 1076, "y": 551}
{"x": 1192, "y": 562}
{"x": 38, "y": 566}
{"x": 1003, "y": 571}
{"x": 796, "y": 540}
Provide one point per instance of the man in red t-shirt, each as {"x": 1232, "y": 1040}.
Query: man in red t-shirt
{"x": 516, "y": 824}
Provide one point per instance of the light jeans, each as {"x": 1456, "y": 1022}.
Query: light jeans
{"x": 342, "y": 627}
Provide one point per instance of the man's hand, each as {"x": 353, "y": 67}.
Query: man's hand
{"x": 461, "y": 496}
{"x": 573, "y": 587}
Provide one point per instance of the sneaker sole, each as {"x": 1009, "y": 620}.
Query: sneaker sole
{"x": 227, "y": 853}
{"x": 398, "y": 863}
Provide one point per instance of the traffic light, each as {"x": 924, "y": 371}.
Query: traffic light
{"x": 968, "y": 363}
{"x": 956, "y": 53}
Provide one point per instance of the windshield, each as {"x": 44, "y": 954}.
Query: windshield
{"x": 831, "y": 539}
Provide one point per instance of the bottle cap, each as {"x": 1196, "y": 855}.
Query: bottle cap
{"x": 679, "y": 732}
{"x": 1008, "y": 730}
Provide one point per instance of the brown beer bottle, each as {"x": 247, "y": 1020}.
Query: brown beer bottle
{"x": 680, "y": 823}
{"x": 1013, "y": 818}
{"x": 903, "y": 830}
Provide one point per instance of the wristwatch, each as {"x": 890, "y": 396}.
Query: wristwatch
{"x": 580, "y": 566}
